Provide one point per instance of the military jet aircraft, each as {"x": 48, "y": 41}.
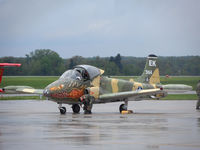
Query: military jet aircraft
{"x": 85, "y": 85}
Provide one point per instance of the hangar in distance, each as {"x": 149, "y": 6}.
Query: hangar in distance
{"x": 85, "y": 85}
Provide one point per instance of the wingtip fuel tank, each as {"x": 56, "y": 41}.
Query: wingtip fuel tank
{"x": 178, "y": 88}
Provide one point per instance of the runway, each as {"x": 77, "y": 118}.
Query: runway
{"x": 159, "y": 125}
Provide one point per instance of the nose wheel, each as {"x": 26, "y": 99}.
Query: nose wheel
{"x": 62, "y": 109}
{"x": 76, "y": 108}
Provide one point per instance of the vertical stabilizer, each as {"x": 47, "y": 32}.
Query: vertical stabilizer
{"x": 1, "y": 73}
{"x": 2, "y": 65}
{"x": 151, "y": 71}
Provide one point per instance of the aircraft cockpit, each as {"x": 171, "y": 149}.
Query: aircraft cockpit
{"x": 82, "y": 73}
{"x": 73, "y": 74}
{"x": 88, "y": 72}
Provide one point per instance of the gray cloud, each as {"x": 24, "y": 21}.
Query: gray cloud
{"x": 100, "y": 27}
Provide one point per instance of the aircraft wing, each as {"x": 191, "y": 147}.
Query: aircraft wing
{"x": 22, "y": 89}
{"x": 156, "y": 93}
{"x": 30, "y": 91}
{"x": 9, "y": 64}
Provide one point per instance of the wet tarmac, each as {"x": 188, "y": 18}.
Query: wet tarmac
{"x": 160, "y": 125}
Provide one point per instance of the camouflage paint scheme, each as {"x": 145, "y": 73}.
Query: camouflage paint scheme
{"x": 86, "y": 85}
{"x": 68, "y": 90}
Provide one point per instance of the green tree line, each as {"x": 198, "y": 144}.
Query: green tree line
{"x": 45, "y": 62}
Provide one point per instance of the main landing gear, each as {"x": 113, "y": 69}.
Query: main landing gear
{"x": 75, "y": 109}
{"x": 87, "y": 101}
{"x": 123, "y": 108}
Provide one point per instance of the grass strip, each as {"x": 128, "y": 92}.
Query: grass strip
{"x": 180, "y": 97}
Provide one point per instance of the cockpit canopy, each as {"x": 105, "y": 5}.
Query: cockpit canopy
{"x": 71, "y": 74}
{"x": 91, "y": 71}
{"x": 82, "y": 72}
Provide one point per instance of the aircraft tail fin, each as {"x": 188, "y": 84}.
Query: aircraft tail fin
{"x": 151, "y": 71}
{"x": 1, "y": 73}
{"x": 2, "y": 65}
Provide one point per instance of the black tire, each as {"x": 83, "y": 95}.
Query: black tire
{"x": 76, "y": 108}
{"x": 122, "y": 107}
{"x": 62, "y": 110}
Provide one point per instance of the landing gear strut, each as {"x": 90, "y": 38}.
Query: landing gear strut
{"x": 76, "y": 108}
{"x": 62, "y": 109}
{"x": 87, "y": 100}
{"x": 123, "y": 108}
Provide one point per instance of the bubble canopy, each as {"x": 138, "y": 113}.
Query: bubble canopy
{"x": 91, "y": 70}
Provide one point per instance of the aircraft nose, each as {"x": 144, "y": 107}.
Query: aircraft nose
{"x": 64, "y": 89}
{"x": 55, "y": 87}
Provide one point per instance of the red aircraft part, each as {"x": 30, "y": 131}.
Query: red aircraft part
{"x": 9, "y": 64}
{"x": 1, "y": 91}
{"x": 2, "y": 65}
{"x": 1, "y": 73}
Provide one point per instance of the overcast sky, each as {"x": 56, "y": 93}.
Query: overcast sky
{"x": 100, "y": 27}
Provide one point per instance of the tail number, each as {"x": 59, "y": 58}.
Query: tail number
{"x": 148, "y": 71}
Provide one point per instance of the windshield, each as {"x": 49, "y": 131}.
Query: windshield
{"x": 71, "y": 74}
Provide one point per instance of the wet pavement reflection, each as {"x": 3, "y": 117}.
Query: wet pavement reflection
{"x": 154, "y": 125}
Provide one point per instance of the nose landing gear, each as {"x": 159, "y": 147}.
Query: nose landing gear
{"x": 76, "y": 108}
{"x": 62, "y": 109}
